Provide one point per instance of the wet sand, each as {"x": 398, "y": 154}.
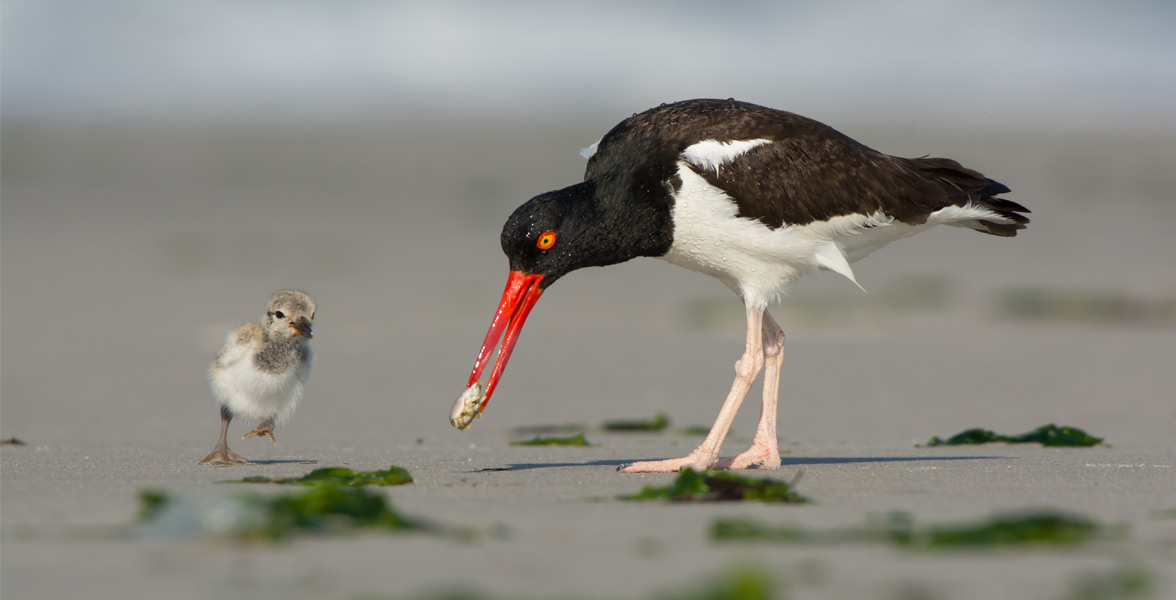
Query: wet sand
{"x": 128, "y": 254}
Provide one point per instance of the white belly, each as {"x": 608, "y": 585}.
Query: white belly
{"x": 759, "y": 262}
{"x": 255, "y": 395}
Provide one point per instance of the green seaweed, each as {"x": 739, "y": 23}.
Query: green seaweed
{"x": 574, "y": 440}
{"x": 393, "y": 475}
{"x": 657, "y": 422}
{"x": 548, "y": 429}
{"x": 151, "y": 503}
{"x": 327, "y": 508}
{"x": 1046, "y": 435}
{"x": 748, "y": 530}
{"x": 1028, "y": 529}
{"x": 733, "y": 583}
{"x": 716, "y": 486}
{"x": 1040, "y": 528}
{"x": 696, "y": 430}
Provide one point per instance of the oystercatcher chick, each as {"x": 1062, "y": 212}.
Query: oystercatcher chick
{"x": 753, "y": 196}
{"x": 262, "y": 370}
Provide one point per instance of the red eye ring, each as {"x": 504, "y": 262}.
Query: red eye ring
{"x": 546, "y": 241}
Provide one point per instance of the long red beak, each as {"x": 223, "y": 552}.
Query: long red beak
{"x": 521, "y": 293}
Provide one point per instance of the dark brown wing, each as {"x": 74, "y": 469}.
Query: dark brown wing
{"x": 809, "y": 172}
{"x": 806, "y": 178}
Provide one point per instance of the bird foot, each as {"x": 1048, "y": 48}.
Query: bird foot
{"x": 221, "y": 455}
{"x": 758, "y": 456}
{"x": 695, "y": 461}
{"x": 262, "y": 430}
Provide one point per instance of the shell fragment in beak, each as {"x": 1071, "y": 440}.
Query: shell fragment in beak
{"x": 465, "y": 410}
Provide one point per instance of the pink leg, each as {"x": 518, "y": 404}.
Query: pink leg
{"x": 747, "y": 368}
{"x": 765, "y": 452}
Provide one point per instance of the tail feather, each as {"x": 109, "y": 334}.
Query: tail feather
{"x": 964, "y": 186}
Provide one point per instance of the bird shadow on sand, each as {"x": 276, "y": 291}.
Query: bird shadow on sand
{"x": 784, "y": 462}
{"x": 290, "y": 461}
{"x": 529, "y": 466}
{"x": 837, "y": 460}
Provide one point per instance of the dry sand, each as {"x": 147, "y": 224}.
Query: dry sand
{"x": 127, "y": 255}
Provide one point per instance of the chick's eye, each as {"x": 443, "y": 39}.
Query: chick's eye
{"x": 547, "y": 240}
{"x": 279, "y": 314}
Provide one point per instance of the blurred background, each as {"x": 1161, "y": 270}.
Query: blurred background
{"x": 166, "y": 166}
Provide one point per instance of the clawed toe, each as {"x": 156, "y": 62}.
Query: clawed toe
{"x": 261, "y": 432}
{"x": 668, "y": 466}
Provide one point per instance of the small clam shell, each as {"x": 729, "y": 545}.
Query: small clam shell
{"x": 465, "y": 410}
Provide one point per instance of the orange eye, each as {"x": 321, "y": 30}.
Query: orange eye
{"x": 546, "y": 241}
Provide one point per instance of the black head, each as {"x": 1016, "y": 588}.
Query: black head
{"x": 558, "y": 232}
{"x": 549, "y": 236}
{"x": 545, "y": 236}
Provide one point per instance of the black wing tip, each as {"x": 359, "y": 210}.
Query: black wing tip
{"x": 993, "y": 188}
{"x": 1008, "y": 209}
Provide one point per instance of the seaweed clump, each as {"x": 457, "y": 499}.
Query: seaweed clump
{"x": 739, "y": 583}
{"x": 327, "y": 508}
{"x": 574, "y": 440}
{"x": 657, "y": 422}
{"x": 720, "y": 486}
{"x": 322, "y": 509}
{"x": 1046, "y": 435}
{"x": 343, "y": 476}
{"x": 1014, "y": 530}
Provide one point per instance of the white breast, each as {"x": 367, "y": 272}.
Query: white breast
{"x": 252, "y": 394}
{"x": 750, "y": 258}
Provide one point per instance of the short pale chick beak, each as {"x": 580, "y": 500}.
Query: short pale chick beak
{"x": 520, "y": 295}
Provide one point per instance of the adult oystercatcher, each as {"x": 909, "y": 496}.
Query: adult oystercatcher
{"x": 754, "y": 196}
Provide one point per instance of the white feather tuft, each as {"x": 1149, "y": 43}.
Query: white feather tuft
{"x": 831, "y": 255}
{"x": 590, "y": 150}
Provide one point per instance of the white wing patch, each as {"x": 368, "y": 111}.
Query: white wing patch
{"x": 590, "y": 150}
{"x": 712, "y": 154}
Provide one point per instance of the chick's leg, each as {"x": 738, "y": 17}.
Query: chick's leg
{"x": 221, "y": 455}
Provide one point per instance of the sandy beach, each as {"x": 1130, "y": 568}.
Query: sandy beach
{"x": 129, "y": 252}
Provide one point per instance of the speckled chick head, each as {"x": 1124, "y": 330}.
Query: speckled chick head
{"x": 289, "y": 313}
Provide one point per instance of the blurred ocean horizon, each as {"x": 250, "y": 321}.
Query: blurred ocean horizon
{"x": 1072, "y": 65}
